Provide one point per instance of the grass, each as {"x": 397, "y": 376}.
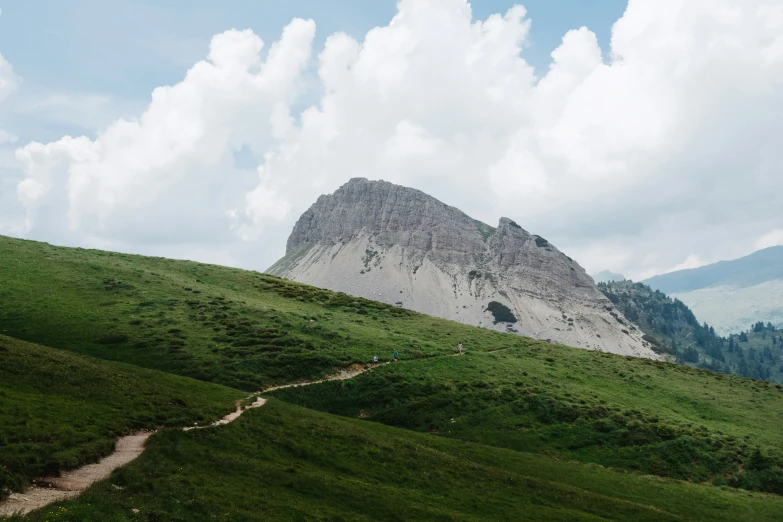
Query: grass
{"x": 629, "y": 413}
{"x": 548, "y": 419}
{"x": 59, "y": 410}
{"x": 234, "y": 327}
{"x": 283, "y": 462}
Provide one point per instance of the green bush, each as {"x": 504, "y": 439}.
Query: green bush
{"x": 501, "y": 313}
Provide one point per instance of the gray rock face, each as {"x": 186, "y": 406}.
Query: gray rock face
{"x": 395, "y": 244}
{"x": 394, "y": 215}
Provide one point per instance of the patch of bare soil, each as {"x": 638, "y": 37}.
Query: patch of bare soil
{"x": 231, "y": 417}
{"x": 348, "y": 373}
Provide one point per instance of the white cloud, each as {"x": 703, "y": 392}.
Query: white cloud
{"x": 261, "y": 206}
{"x": 595, "y": 257}
{"x": 6, "y": 137}
{"x": 177, "y": 154}
{"x": 770, "y": 239}
{"x": 11, "y": 213}
{"x": 9, "y": 82}
{"x": 641, "y": 159}
{"x": 692, "y": 261}
{"x": 93, "y": 111}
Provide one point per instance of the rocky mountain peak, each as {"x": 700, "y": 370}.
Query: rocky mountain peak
{"x": 511, "y": 225}
{"x": 397, "y": 244}
{"x": 391, "y": 214}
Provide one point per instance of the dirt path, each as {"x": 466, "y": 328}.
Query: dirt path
{"x": 47, "y": 490}
{"x": 71, "y": 483}
{"x": 349, "y": 373}
{"x": 231, "y": 417}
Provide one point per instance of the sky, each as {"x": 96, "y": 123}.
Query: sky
{"x": 639, "y": 137}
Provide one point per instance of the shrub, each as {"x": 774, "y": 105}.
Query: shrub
{"x": 501, "y": 313}
{"x": 113, "y": 339}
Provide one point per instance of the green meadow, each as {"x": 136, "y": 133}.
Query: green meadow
{"x": 516, "y": 429}
{"x": 283, "y": 462}
{"x": 60, "y": 410}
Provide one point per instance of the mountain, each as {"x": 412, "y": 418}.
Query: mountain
{"x": 673, "y": 327}
{"x": 606, "y": 275}
{"x": 398, "y": 245}
{"x": 731, "y": 295}
{"x": 666, "y": 322}
{"x": 756, "y": 268}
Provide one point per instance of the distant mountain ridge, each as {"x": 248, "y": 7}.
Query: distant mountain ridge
{"x": 730, "y": 295}
{"x": 756, "y": 268}
{"x": 606, "y": 275}
{"x": 398, "y": 245}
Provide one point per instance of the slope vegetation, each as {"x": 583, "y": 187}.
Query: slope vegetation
{"x": 635, "y": 414}
{"x": 239, "y": 328}
{"x": 673, "y": 328}
{"x": 515, "y": 402}
{"x": 59, "y": 410}
{"x": 282, "y": 462}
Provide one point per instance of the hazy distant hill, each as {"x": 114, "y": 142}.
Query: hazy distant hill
{"x": 759, "y": 267}
{"x": 731, "y": 295}
{"x": 606, "y": 275}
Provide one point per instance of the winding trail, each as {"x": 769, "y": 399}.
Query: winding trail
{"x": 47, "y": 490}
{"x": 51, "y": 489}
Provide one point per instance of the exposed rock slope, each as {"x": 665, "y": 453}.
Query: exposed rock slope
{"x": 395, "y": 244}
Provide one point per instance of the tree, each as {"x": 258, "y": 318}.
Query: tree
{"x": 691, "y": 355}
{"x": 743, "y": 337}
{"x": 714, "y": 351}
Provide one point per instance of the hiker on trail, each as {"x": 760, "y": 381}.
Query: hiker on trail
{"x": 395, "y": 356}
{"x": 459, "y": 347}
{"x": 375, "y": 359}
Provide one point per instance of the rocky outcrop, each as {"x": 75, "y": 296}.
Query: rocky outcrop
{"x": 395, "y": 244}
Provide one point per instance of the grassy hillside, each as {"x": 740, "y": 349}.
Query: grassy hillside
{"x": 287, "y": 463}
{"x": 523, "y": 401}
{"x": 239, "y": 328}
{"x": 756, "y": 353}
{"x": 59, "y": 410}
{"x": 629, "y": 413}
